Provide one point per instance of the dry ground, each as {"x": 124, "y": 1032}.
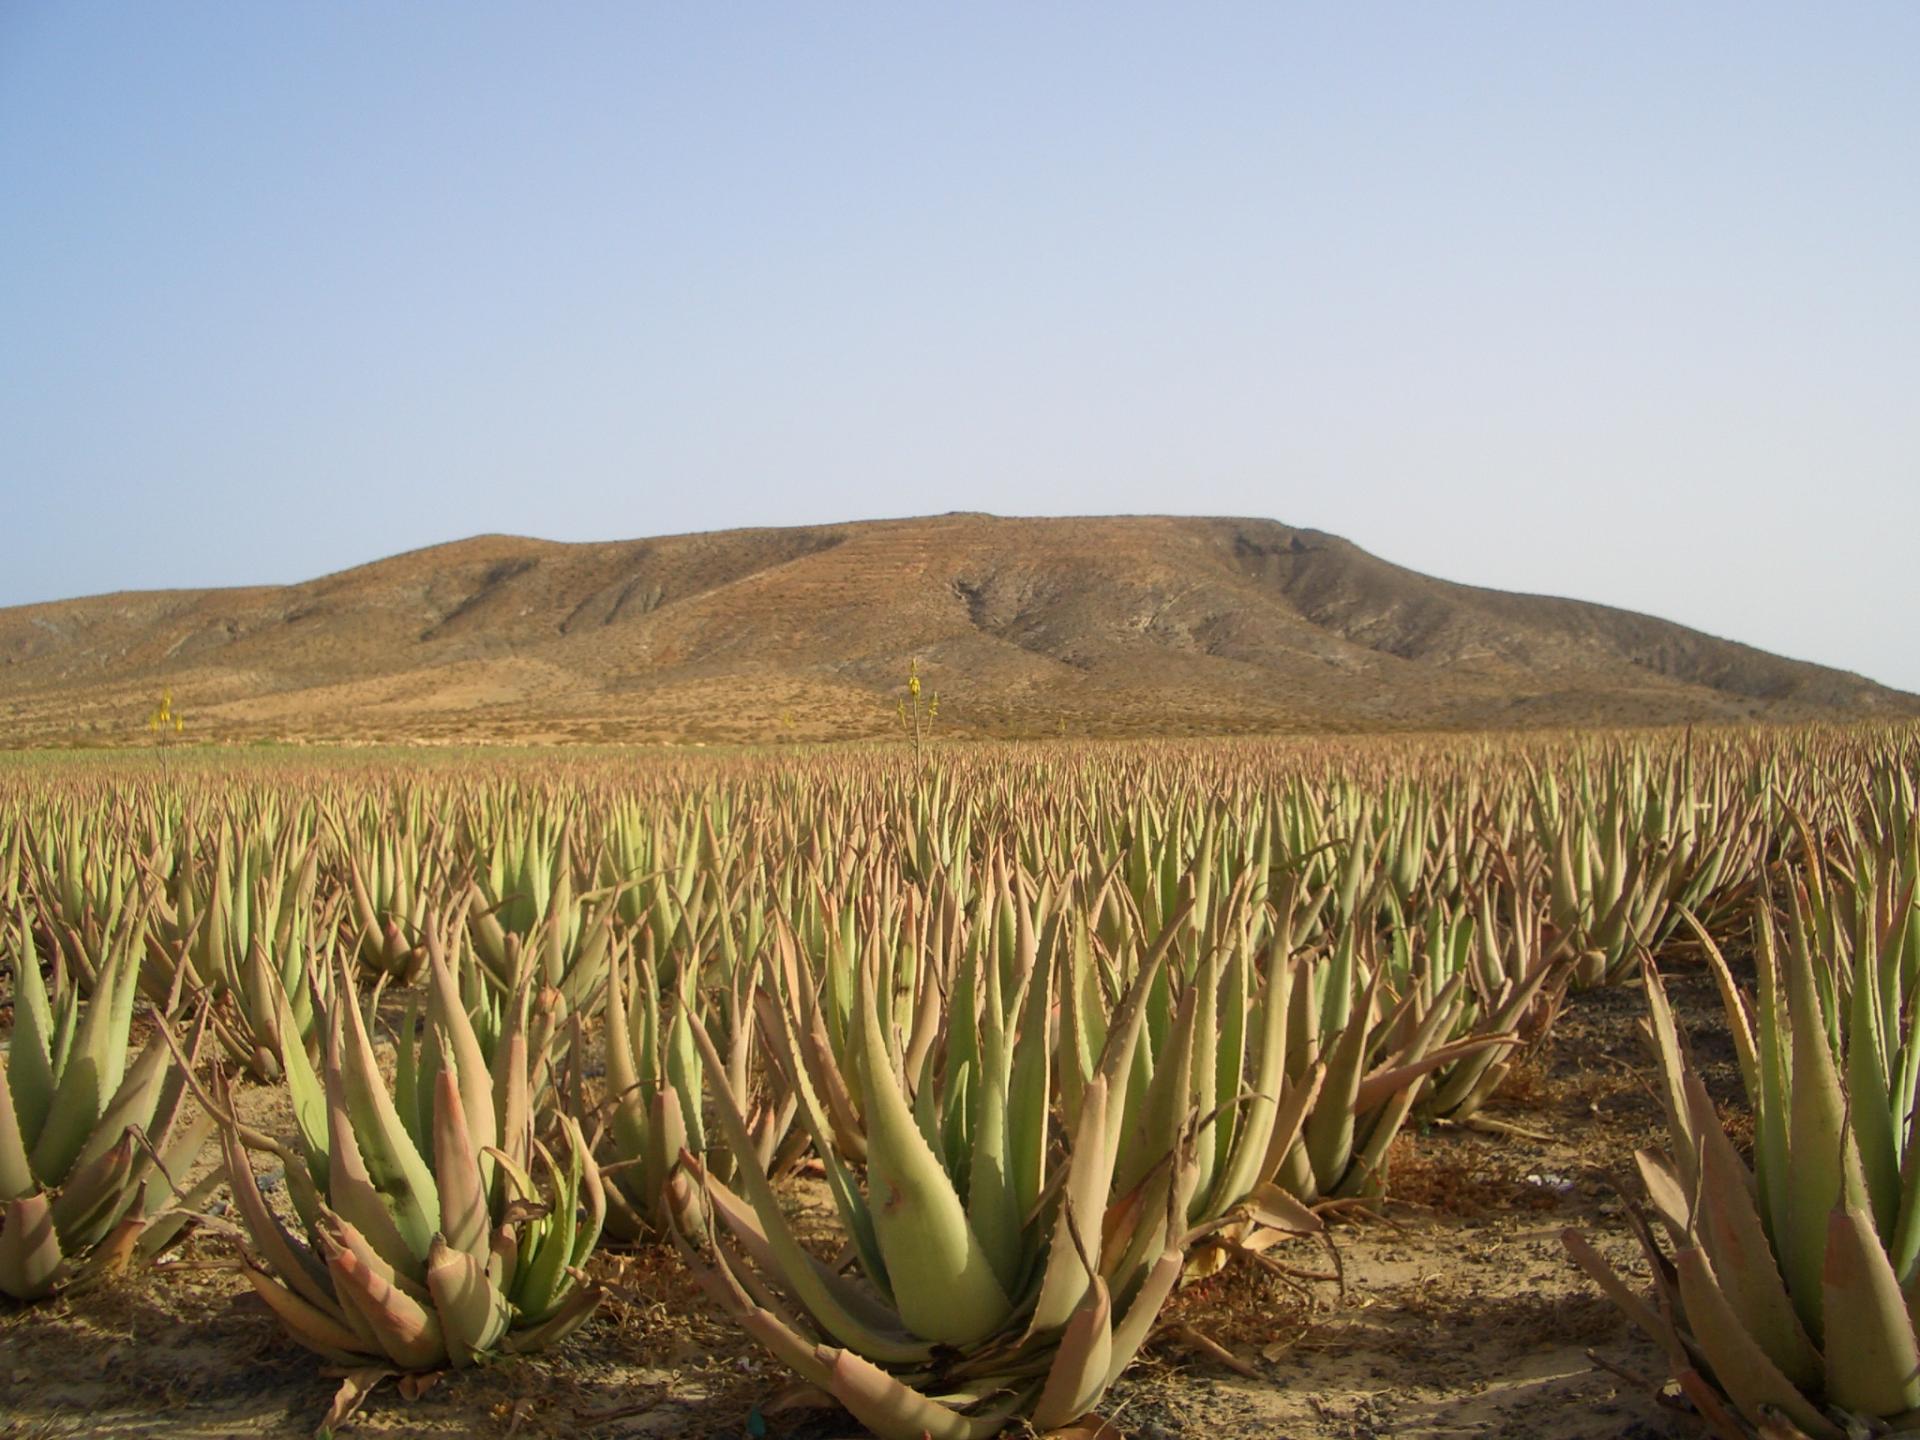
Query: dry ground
{"x": 1459, "y": 1314}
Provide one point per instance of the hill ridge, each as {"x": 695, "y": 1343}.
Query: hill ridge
{"x": 1099, "y": 624}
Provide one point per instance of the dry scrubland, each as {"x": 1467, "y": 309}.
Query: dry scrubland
{"x": 1116, "y": 626}
{"x": 1171, "y": 1088}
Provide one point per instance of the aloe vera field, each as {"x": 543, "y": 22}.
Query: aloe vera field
{"x": 1546, "y": 1084}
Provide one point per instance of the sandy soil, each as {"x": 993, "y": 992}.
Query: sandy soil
{"x": 1459, "y": 1313}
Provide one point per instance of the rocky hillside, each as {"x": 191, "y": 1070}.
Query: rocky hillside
{"x": 1104, "y": 626}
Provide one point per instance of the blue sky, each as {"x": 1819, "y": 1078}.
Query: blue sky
{"x": 1618, "y": 301}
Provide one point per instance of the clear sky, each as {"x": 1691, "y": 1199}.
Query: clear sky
{"x": 1613, "y": 300}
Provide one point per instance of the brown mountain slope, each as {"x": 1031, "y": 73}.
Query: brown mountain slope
{"x": 1117, "y": 625}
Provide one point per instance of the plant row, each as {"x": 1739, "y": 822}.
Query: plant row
{"x": 1035, "y": 1022}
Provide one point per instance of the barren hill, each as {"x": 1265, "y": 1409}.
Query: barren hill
{"x": 1103, "y": 626}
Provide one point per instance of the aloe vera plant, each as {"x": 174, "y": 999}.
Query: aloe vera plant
{"x": 654, "y": 1091}
{"x": 394, "y": 878}
{"x": 91, "y": 1147}
{"x": 999, "y": 1270}
{"x": 438, "y": 1227}
{"x": 1786, "y": 1290}
{"x": 1637, "y": 844}
{"x": 84, "y": 885}
{"x": 1513, "y": 989}
{"x": 1370, "y": 1031}
{"x": 526, "y": 903}
{"x": 240, "y": 928}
